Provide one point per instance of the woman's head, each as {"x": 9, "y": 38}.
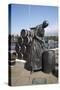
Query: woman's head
{"x": 45, "y": 24}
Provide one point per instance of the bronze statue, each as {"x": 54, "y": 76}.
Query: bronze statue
{"x": 37, "y": 46}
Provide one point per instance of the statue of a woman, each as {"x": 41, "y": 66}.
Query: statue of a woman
{"x": 37, "y": 46}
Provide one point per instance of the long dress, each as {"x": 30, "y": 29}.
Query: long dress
{"x": 37, "y": 48}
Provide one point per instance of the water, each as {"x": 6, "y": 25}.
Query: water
{"x": 50, "y": 45}
{"x": 13, "y": 46}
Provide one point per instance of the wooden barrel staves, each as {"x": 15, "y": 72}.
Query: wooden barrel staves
{"x": 48, "y": 61}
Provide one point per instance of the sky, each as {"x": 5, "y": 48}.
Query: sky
{"x": 27, "y": 16}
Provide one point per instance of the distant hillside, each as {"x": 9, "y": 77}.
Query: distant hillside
{"x": 55, "y": 38}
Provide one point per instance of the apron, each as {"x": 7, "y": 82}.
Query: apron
{"x": 36, "y": 55}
